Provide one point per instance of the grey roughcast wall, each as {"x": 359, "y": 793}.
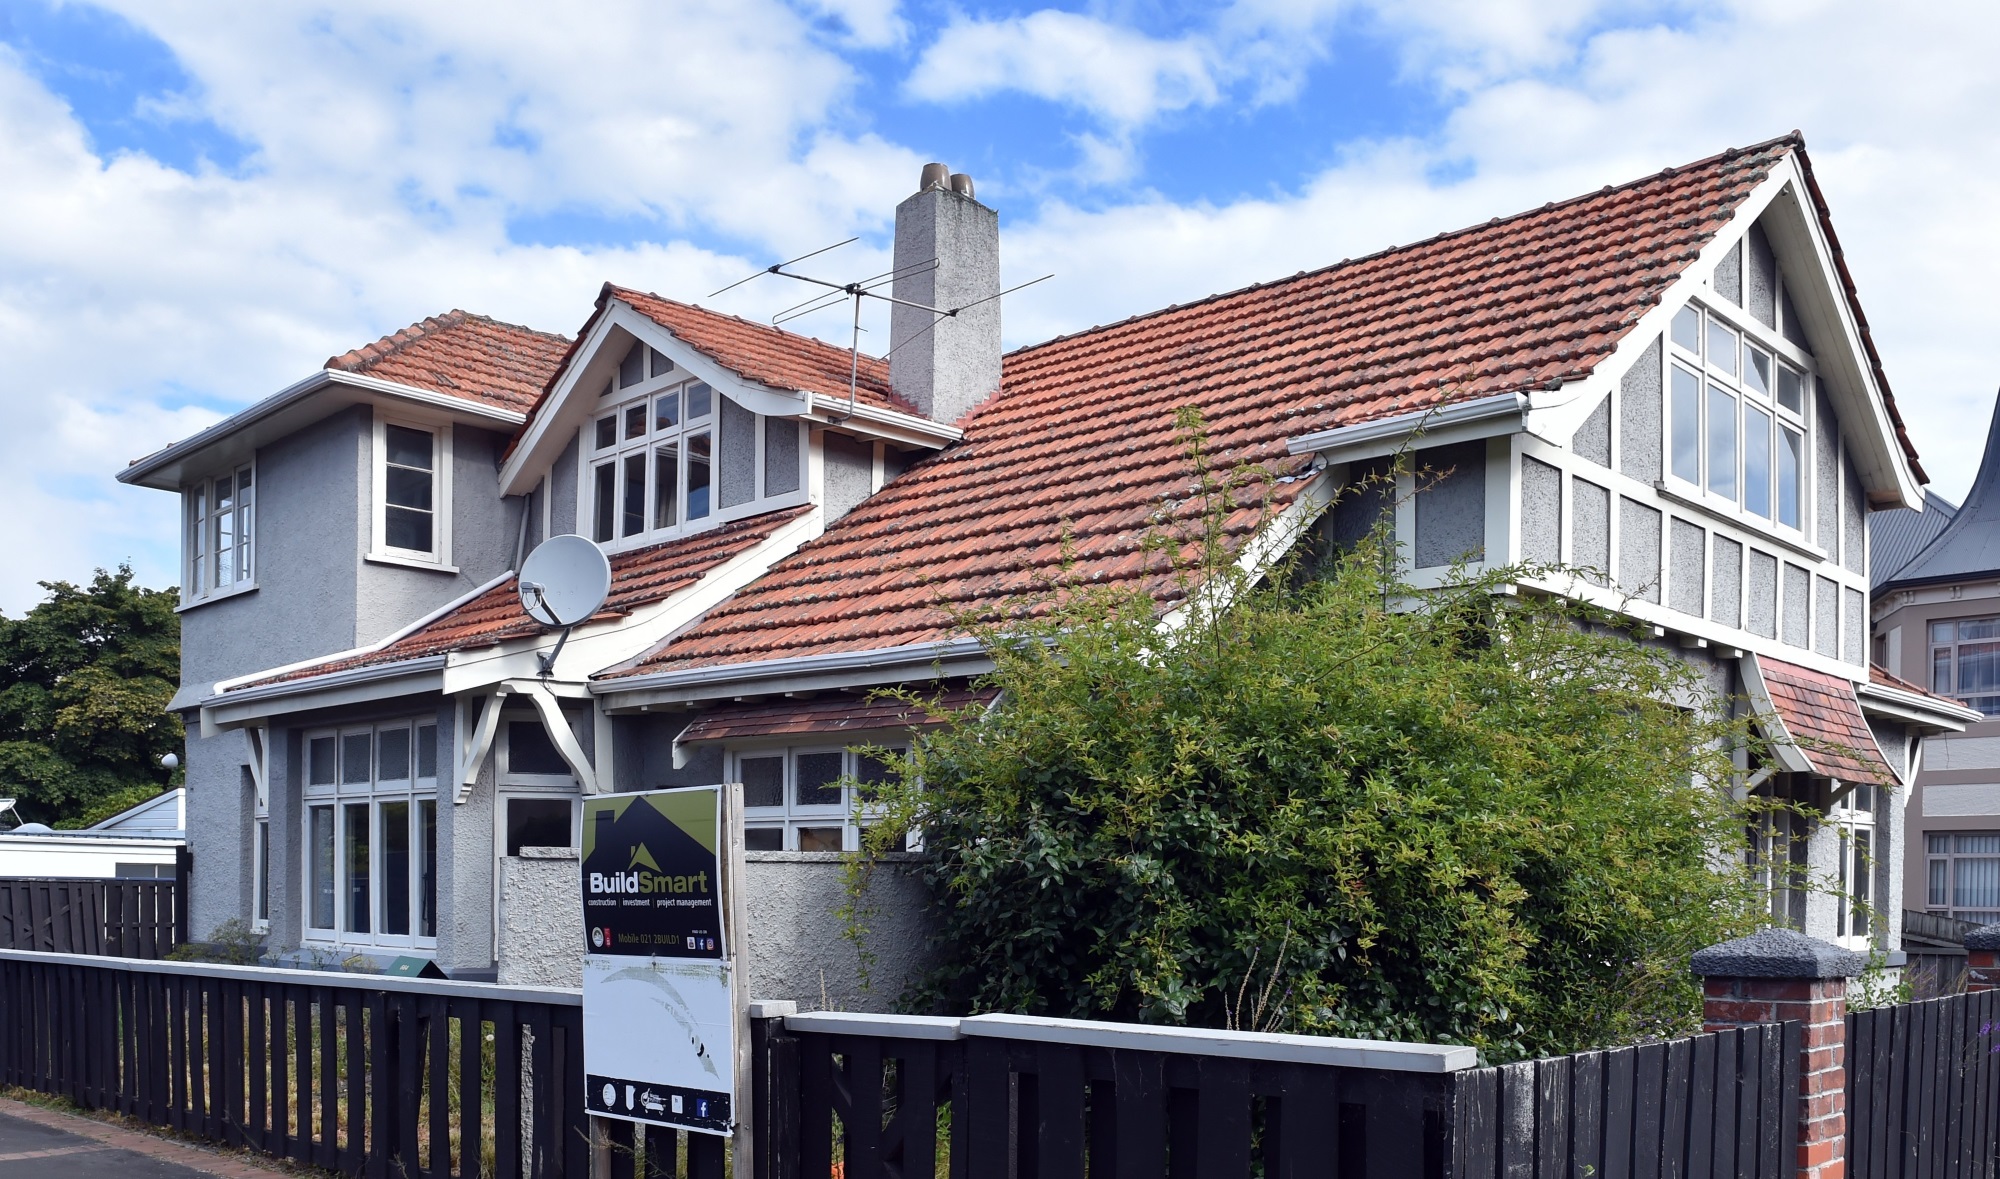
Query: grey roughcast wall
{"x": 799, "y": 944}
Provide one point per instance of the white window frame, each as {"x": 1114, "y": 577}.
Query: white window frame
{"x": 850, "y": 813}
{"x": 662, "y": 376}
{"x": 1859, "y": 848}
{"x": 1948, "y": 684}
{"x": 1785, "y": 354}
{"x": 379, "y": 549}
{"x": 1942, "y": 862}
{"x": 199, "y": 519}
{"x": 373, "y": 793}
{"x": 509, "y": 785}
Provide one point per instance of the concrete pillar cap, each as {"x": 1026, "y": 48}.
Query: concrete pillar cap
{"x": 1986, "y": 937}
{"x": 1778, "y": 953}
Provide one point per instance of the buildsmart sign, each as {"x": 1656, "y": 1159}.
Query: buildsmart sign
{"x": 659, "y": 1019}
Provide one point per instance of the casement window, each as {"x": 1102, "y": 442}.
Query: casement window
{"x": 371, "y": 834}
{"x": 667, "y": 454}
{"x": 1853, "y": 819}
{"x": 807, "y": 798}
{"x": 412, "y": 493}
{"x": 1738, "y": 415}
{"x": 1965, "y": 662}
{"x": 1777, "y": 858}
{"x": 219, "y": 522}
{"x": 1963, "y": 875}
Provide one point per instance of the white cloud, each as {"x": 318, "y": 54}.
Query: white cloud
{"x": 1114, "y": 72}
{"x": 393, "y": 145}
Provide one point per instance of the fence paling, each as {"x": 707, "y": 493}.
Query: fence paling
{"x": 874, "y": 1104}
{"x": 1923, "y": 1089}
{"x": 346, "y": 1074}
{"x": 133, "y": 918}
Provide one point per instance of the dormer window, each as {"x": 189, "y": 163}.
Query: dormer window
{"x": 219, "y": 516}
{"x": 667, "y": 454}
{"x": 1737, "y": 416}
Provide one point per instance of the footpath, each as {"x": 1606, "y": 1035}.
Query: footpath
{"x": 50, "y": 1144}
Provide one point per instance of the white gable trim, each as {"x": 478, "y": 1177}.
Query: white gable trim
{"x": 574, "y": 397}
{"x": 1846, "y": 375}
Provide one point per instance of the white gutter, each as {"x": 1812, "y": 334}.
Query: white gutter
{"x": 1501, "y": 413}
{"x": 299, "y": 391}
{"x": 879, "y": 658}
{"x": 924, "y": 431}
{"x": 1944, "y": 715}
{"x": 346, "y": 677}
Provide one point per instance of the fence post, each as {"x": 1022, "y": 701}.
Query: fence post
{"x": 1778, "y": 975}
{"x": 1982, "y": 959}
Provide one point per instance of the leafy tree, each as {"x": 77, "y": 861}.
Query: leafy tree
{"x": 83, "y": 720}
{"x": 1327, "y": 802}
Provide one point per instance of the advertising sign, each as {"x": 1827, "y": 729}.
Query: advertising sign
{"x": 659, "y": 1017}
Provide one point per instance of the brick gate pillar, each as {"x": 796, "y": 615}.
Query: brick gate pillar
{"x": 1982, "y": 959}
{"x": 1776, "y": 975}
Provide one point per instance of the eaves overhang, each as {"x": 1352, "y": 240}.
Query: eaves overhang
{"x": 293, "y": 408}
{"x": 1485, "y": 417}
{"x": 1931, "y": 713}
{"x": 833, "y": 669}
{"x": 354, "y": 685}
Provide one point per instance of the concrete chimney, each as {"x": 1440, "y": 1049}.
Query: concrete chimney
{"x": 947, "y": 255}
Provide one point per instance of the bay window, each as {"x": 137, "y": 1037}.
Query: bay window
{"x": 1962, "y": 870}
{"x": 669, "y": 455}
{"x": 1965, "y": 662}
{"x": 371, "y": 835}
{"x": 1736, "y": 418}
{"x": 219, "y": 520}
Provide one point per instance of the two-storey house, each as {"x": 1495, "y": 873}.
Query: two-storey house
{"x": 1667, "y": 385}
{"x": 1937, "y": 623}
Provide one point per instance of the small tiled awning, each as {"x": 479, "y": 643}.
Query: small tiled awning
{"x": 1814, "y": 722}
{"x": 840, "y": 713}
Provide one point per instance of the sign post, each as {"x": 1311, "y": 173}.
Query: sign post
{"x": 663, "y": 1041}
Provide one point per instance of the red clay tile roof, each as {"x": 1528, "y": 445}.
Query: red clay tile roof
{"x": 758, "y": 352}
{"x": 1880, "y": 675}
{"x": 464, "y": 355}
{"x": 1819, "y": 715}
{"x": 1077, "y": 457}
{"x": 843, "y": 713}
{"x": 638, "y": 578}
{"x": 766, "y": 354}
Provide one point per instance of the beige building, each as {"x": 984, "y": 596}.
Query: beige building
{"x": 1937, "y": 624}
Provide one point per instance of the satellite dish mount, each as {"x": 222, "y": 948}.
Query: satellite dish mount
{"x": 563, "y": 583}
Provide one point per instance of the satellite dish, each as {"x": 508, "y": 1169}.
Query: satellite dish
{"x": 564, "y": 581}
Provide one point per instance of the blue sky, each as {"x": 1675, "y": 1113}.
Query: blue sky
{"x": 206, "y": 201}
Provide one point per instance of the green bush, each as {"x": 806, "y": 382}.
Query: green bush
{"x": 1326, "y": 802}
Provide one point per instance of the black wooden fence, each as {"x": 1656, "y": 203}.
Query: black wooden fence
{"x": 367, "y": 1076}
{"x": 1723, "y": 1104}
{"x": 1055, "y": 1099}
{"x": 1923, "y": 1089}
{"x": 126, "y": 918}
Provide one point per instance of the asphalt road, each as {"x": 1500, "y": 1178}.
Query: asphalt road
{"x": 29, "y": 1150}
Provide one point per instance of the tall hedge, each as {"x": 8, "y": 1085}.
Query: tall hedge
{"x": 1326, "y": 802}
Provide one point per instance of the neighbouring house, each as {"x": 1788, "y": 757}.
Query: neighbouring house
{"x": 1937, "y": 623}
{"x": 142, "y": 841}
{"x": 1668, "y": 383}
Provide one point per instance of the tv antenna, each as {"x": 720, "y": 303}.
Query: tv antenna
{"x": 563, "y": 583}
{"x": 834, "y": 293}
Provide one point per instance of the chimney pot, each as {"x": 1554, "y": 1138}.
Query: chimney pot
{"x": 947, "y": 256}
